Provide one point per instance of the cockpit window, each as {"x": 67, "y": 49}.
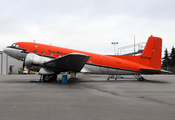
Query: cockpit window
{"x": 13, "y": 45}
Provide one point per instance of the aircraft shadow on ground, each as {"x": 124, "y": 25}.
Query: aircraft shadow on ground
{"x": 82, "y": 80}
{"x": 155, "y": 81}
{"x": 128, "y": 80}
{"x": 119, "y": 80}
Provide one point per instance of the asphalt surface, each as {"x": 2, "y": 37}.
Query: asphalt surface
{"x": 90, "y": 97}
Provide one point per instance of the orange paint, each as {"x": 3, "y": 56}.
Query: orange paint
{"x": 150, "y": 58}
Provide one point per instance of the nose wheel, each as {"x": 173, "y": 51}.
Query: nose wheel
{"x": 139, "y": 77}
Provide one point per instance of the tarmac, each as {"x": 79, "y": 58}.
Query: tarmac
{"x": 89, "y": 97}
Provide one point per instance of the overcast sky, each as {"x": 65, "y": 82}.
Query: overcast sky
{"x": 87, "y": 25}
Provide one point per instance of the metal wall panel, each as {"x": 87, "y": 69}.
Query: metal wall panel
{"x": 0, "y": 63}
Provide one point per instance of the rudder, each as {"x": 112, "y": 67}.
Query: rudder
{"x": 152, "y": 52}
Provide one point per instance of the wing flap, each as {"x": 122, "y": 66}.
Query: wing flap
{"x": 71, "y": 62}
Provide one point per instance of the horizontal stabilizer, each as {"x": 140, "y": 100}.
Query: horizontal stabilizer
{"x": 154, "y": 70}
{"x": 71, "y": 62}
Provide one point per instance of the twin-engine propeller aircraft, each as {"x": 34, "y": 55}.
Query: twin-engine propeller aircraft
{"x": 50, "y": 60}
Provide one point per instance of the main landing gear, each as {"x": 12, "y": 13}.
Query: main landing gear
{"x": 48, "y": 78}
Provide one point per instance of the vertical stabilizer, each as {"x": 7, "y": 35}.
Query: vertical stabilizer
{"x": 152, "y": 52}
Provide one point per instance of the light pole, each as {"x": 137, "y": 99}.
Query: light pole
{"x": 114, "y": 43}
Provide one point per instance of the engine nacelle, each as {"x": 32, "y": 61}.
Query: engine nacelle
{"x": 33, "y": 59}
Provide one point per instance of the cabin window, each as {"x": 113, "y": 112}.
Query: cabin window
{"x": 17, "y": 46}
{"x": 90, "y": 61}
{"x": 43, "y": 53}
{"x": 58, "y": 55}
{"x": 36, "y": 46}
{"x": 50, "y": 54}
{"x": 34, "y": 51}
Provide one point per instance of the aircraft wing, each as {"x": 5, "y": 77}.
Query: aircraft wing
{"x": 71, "y": 62}
{"x": 154, "y": 70}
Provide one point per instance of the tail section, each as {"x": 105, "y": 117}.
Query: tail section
{"x": 151, "y": 55}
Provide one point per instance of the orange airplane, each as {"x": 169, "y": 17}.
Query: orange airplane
{"x": 49, "y": 60}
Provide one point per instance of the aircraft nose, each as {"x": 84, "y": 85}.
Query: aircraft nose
{"x": 15, "y": 53}
{"x": 6, "y": 50}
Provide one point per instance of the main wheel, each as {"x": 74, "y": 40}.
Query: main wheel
{"x": 47, "y": 78}
{"x": 141, "y": 78}
{"x": 54, "y": 77}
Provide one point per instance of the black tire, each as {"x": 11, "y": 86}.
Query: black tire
{"x": 54, "y": 77}
{"x": 141, "y": 79}
{"x": 47, "y": 78}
